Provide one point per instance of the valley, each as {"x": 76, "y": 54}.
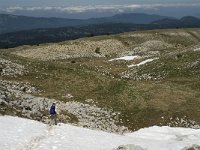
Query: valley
{"x": 116, "y": 83}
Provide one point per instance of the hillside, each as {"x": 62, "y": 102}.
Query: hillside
{"x": 115, "y": 83}
{"x": 47, "y": 35}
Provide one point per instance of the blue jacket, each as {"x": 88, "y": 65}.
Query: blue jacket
{"x": 52, "y": 110}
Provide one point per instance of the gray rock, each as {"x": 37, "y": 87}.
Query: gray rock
{"x": 18, "y": 96}
{"x": 129, "y": 147}
{"x": 8, "y": 68}
{"x": 193, "y": 147}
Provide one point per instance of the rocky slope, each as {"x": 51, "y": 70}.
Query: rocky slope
{"x": 17, "y": 99}
{"x": 8, "y": 68}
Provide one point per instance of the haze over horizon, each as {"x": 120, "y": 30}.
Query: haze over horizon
{"x": 93, "y": 8}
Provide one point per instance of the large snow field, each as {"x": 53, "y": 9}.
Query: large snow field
{"x": 23, "y": 134}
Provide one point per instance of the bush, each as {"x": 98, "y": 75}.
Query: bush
{"x": 97, "y": 50}
{"x": 73, "y": 61}
{"x": 178, "y": 56}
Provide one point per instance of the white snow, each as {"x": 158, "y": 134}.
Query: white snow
{"x": 197, "y": 49}
{"x": 24, "y": 134}
{"x": 16, "y": 133}
{"x": 143, "y": 62}
{"x": 128, "y": 58}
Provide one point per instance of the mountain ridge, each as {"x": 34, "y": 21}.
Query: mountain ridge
{"x": 13, "y": 23}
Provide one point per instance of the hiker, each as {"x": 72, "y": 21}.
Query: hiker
{"x": 53, "y": 113}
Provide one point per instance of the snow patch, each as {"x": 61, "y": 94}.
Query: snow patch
{"x": 143, "y": 62}
{"x": 128, "y": 58}
{"x": 17, "y": 133}
{"x": 197, "y": 49}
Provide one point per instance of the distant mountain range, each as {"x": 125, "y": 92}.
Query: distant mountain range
{"x": 13, "y": 23}
{"x": 134, "y": 18}
{"x": 104, "y": 27}
{"x": 37, "y": 36}
{"x": 185, "y": 22}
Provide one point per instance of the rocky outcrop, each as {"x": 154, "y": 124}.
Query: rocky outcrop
{"x": 93, "y": 117}
{"x": 129, "y": 147}
{"x": 16, "y": 99}
{"x": 193, "y": 147}
{"x": 8, "y": 68}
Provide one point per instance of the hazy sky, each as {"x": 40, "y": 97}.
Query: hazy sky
{"x": 7, "y": 3}
{"x": 98, "y": 8}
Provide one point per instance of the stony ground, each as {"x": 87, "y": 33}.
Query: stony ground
{"x": 8, "y": 68}
{"x": 18, "y": 99}
{"x": 74, "y": 49}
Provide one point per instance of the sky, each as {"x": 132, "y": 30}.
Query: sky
{"x": 99, "y": 8}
